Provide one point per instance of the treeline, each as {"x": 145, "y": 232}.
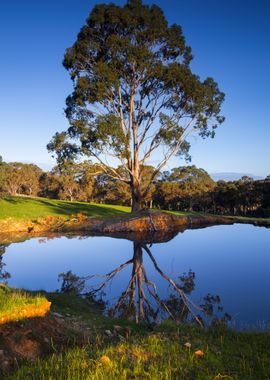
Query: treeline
{"x": 186, "y": 188}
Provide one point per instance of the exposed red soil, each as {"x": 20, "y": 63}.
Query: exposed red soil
{"x": 29, "y": 339}
{"x": 145, "y": 221}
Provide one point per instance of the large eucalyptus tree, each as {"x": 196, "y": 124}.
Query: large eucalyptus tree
{"x": 134, "y": 94}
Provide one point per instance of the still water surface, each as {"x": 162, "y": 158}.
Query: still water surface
{"x": 230, "y": 261}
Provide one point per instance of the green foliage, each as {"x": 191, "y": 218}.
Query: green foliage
{"x": 18, "y": 178}
{"x": 192, "y": 189}
{"x": 184, "y": 188}
{"x": 134, "y": 93}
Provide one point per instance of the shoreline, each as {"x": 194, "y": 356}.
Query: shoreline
{"x": 150, "y": 225}
{"x": 144, "y": 223}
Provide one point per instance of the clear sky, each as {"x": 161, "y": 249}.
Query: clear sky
{"x": 230, "y": 40}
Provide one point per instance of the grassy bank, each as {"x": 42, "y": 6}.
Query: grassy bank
{"x": 17, "y": 305}
{"x": 240, "y": 219}
{"x": 157, "y": 356}
{"x": 33, "y": 208}
{"x": 168, "y": 351}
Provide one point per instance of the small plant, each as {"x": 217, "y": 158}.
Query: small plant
{"x": 79, "y": 217}
{"x": 4, "y": 276}
{"x": 71, "y": 283}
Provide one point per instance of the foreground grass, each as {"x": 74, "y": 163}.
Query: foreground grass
{"x": 157, "y": 353}
{"x": 161, "y": 354}
{"x": 16, "y": 304}
{"x": 33, "y": 208}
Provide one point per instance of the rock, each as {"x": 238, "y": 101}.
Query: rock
{"x": 60, "y": 321}
{"x": 108, "y": 332}
{"x": 5, "y": 365}
{"x": 121, "y": 338}
{"x": 57, "y": 315}
{"x": 117, "y": 328}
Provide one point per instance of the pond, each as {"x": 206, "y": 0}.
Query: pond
{"x": 230, "y": 261}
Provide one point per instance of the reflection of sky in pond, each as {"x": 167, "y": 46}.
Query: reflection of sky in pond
{"x": 231, "y": 261}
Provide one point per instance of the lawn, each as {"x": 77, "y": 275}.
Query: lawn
{"x": 33, "y": 208}
{"x": 235, "y": 217}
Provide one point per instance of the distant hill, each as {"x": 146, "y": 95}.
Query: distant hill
{"x": 230, "y": 176}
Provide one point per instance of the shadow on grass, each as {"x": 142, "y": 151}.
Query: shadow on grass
{"x": 66, "y": 208}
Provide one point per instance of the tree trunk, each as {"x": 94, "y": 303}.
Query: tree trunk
{"x": 135, "y": 187}
{"x": 136, "y": 198}
{"x": 137, "y": 271}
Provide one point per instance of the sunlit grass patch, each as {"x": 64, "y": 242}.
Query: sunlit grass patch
{"x": 16, "y": 305}
{"x": 34, "y": 208}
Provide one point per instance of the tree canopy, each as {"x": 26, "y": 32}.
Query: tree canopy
{"x": 134, "y": 94}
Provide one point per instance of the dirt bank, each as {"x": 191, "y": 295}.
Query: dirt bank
{"x": 145, "y": 223}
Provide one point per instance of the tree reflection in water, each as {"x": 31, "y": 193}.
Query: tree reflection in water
{"x": 4, "y": 276}
{"x": 140, "y": 299}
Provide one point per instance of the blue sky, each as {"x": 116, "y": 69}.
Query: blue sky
{"x": 230, "y": 41}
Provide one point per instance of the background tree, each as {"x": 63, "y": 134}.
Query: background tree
{"x": 134, "y": 94}
{"x": 30, "y": 175}
{"x": 20, "y": 178}
{"x": 185, "y": 188}
{"x": 3, "y": 169}
{"x": 49, "y": 185}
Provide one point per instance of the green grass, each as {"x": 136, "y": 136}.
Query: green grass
{"x": 235, "y": 217}
{"x": 185, "y": 213}
{"x": 33, "y": 208}
{"x": 249, "y": 218}
{"x": 13, "y": 300}
{"x": 156, "y": 354}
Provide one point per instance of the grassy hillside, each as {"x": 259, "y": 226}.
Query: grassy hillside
{"x": 33, "y": 208}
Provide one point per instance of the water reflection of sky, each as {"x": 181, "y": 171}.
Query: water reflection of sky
{"x": 231, "y": 261}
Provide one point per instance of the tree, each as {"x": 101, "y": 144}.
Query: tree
{"x": 30, "y": 174}
{"x": 50, "y": 185}
{"x": 134, "y": 94}
{"x": 194, "y": 184}
{"x": 3, "y": 170}
{"x": 21, "y": 178}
